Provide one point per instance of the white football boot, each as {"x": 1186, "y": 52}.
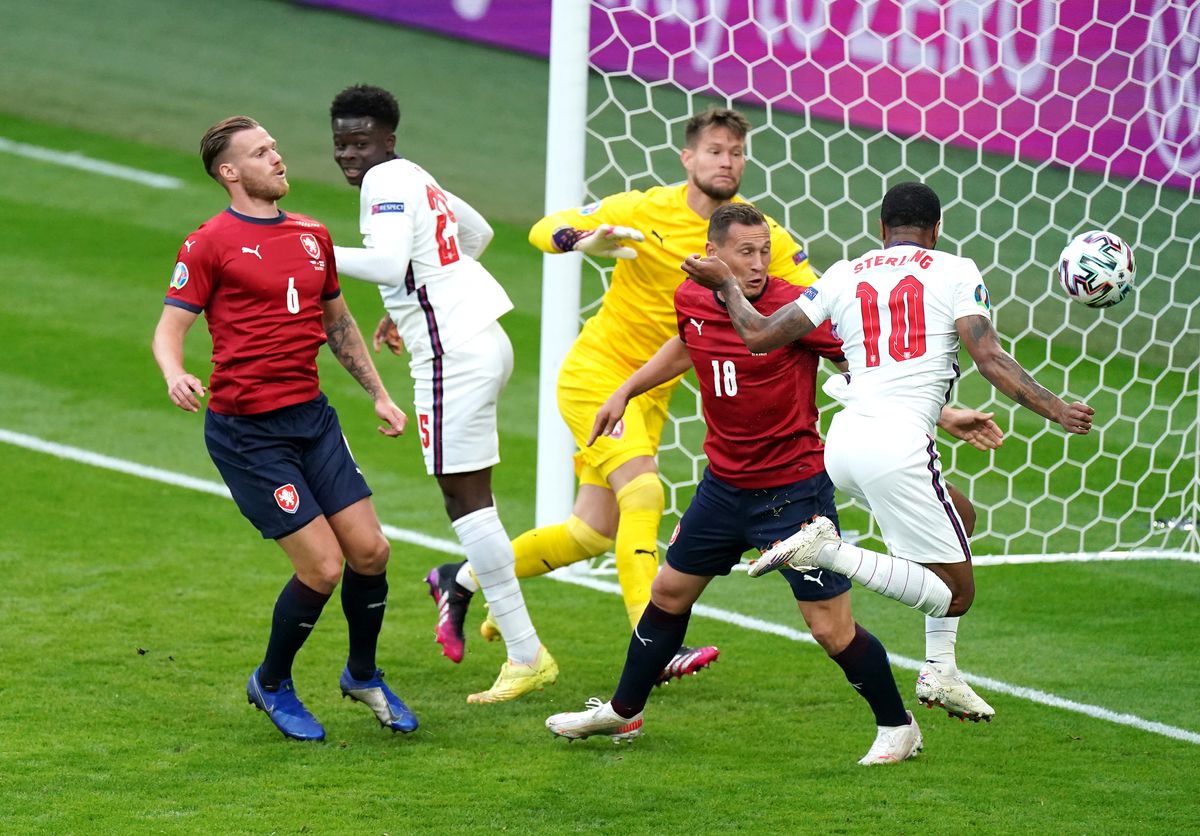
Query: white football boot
{"x": 800, "y": 550}
{"x": 894, "y": 744}
{"x": 598, "y": 719}
{"x": 945, "y": 687}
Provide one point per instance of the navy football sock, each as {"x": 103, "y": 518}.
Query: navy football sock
{"x": 654, "y": 643}
{"x": 296, "y": 612}
{"x": 364, "y": 598}
{"x": 865, "y": 663}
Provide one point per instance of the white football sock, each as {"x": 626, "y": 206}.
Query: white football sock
{"x": 490, "y": 555}
{"x": 466, "y": 579}
{"x": 893, "y": 577}
{"x": 940, "y": 636}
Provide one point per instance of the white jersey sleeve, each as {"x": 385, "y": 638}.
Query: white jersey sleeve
{"x": 895, "y": 311}
{"x": 440, "y": 296}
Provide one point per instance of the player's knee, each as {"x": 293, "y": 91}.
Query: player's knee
{"x": 371, "y": 558}
{"x": 961, "y": 600}
{"x": 830, "y": 631}
{"x": 322, "y": 576}
{"x": 644, "y": 493}
{"x": 588, "y": 541}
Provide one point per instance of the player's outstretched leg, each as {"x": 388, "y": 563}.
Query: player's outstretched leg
{"x": 284, "y": 708}
{"x": 894, "y": 744}
{"x": 452, "y": 600}
{"x": 389, "y": 709}
{"x": 598, "y": 719}
{"x": 817, "y": 545}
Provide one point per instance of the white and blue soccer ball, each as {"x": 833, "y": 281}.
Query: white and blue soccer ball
{"x": 1097, "y": 269}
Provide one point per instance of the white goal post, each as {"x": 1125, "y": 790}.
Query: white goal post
{"x": 1033, "y": 120}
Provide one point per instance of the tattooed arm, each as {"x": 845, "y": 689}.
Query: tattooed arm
{"x": 348, "y": 346}
{"x": 1006, "y": 374}
{"x": 760, "y": 333}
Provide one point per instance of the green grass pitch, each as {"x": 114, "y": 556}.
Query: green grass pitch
{"x": 133, "y": 610}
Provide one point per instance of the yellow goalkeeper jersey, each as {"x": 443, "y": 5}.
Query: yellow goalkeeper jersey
{"x": 637, "y": 314}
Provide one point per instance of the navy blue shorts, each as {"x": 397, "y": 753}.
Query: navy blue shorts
{"x": 724, "y": 522}
{"x": 286, "y": 467}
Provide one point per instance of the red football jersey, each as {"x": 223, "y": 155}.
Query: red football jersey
{"x": 260, "y": 284}
{"x": 760, "y": 409}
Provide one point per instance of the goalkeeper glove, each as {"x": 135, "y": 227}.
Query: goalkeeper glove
{"x": 605, "y": 240}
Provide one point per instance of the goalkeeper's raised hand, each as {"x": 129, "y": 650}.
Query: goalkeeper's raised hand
{"x": 606, "y": 240}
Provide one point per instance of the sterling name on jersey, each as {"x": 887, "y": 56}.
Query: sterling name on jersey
{"x": 259, "y": 283}
{"x": 447, "y": 296}
{"x": 759, "y": 409}
{"x": 895, "y": 311}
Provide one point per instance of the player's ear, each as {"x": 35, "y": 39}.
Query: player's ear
{"x": 710, "y": 249}
{"x": 937, "y": 231}
{"x": 390, "y": 143}
{"x": 882, "y": 231}
{"x": 228, "y": 173}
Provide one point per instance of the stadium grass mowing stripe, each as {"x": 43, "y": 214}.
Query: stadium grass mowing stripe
{"x": 73, "y": 159}
{"x": 737, "y": 619}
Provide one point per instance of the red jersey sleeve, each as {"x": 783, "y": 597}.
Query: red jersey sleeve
{"x": 823, "y": 341}
{"x": 193, "y": 279}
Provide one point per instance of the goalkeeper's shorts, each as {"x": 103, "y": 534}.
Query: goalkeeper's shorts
{"x": 583, "y": 387}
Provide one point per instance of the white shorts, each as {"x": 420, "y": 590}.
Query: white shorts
{"x": 894, "y": 468}
{"x": 454, "y": 397}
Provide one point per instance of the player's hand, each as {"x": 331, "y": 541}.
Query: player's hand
{"x": 972, "y": 426}
{"x": 608, "y": 241}
{"x": 707, "y": 271}
{"x": 608, "y": 416}
{"x": 387, "y": 333}
{"x": 185, "y": 391}
{"x": 396, "y": 420}
{"x": 1076, "y": 418}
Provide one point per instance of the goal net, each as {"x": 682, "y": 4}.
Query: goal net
{"x": 1034, "y": 121}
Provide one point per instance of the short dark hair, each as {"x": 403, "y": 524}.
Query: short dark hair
{"x": 367, "y": 100}
{"x": 912, "y": 205}
{"x": 721, "y": 117}
{"x": 726, "y": 216}
{"x": 216, "y": 140}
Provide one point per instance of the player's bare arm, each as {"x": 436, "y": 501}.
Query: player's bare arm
{"x": 668, "y": 363}
{"x": 760, "y": 333}
{"x": 972, "y": 426}
{"x": 183, "y": 389}
{"x": 1001, "y": 370}
{"x": 346, "y": 343}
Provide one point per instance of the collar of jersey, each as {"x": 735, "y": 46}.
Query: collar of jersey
{"x": 904, "y": 244}
{"x": 262, "y": 221}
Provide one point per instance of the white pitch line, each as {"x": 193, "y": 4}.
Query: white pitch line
{"x": 73, "y": 159}
{"x": 747, "y": 622}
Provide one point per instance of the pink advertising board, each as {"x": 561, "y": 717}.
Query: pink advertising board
{"x": 1105, "y": 86}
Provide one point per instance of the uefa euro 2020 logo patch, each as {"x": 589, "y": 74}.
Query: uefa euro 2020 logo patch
{"x": 590, "y": 208}
{"x": 982, "y": 299}
{"x": 810, "y": 293}
{"x": 180, "y": 276}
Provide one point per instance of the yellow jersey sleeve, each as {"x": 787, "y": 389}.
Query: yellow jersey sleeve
{"x": 789, "y": 261}
{"x": 618, "y": 210}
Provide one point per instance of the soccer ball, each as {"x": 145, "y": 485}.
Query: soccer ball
{"x": 1096, "y": 268}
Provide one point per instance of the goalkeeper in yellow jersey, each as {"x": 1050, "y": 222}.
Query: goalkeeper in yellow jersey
{"x": 620, "y": 496}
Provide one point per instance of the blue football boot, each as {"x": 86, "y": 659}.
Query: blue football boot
{"x": 285, "y": 709}
{"x": 390, "y": 709}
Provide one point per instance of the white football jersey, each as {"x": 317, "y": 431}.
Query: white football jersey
{"x": 447, "y": 297}
{"x": 895, "y": 310}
